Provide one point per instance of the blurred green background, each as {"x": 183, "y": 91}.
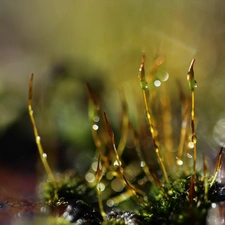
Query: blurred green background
{"x": 67, "y": 43}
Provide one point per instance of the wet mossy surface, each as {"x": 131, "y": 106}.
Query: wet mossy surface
{"x": 67, "y": 187}
{"x": 173, "y": 206}
{"x": 165, "y": 206}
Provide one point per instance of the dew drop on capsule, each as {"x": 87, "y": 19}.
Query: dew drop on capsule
{"x": 196, "y": 84}
{"x": 144, "y": 85}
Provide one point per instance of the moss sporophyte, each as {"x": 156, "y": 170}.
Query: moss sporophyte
{"x": 141, "y": 189}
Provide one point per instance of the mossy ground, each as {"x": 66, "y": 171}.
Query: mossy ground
{"x": 173, "y": 206}
{"x": 67, "y": 187}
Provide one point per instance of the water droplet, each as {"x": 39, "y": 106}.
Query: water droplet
{"x": 166, "y": 77}
{"x": 95, "y": 127}
{"x": 96, "y": 119}
{"x": 94, "y": 166}
{"x": 144, "y": 85}
{"x": 142, "y": 164}
{"x": 140, "y": 182}
{"x": 110, "y": 203}
{"x": 43, "y": 209}
{"x": 157, "y": 83}
{"x": 191, "y": 144}
{"x": 145, "y": 198}
{"x": 101, "y": 186}
{"x": 90, "y": 177}
{"x": 117, "y": 185}
{"x": 38, "y": 138}
{"x": 44, "y": 155}
{"x": 196, "y": 84}
{"x": 109, "y": 175}
{"x": 184, "y": 123}
{"x": 179, "y": 162}
{"x": 116, "y": 163}
{"x": 189, "y": 155}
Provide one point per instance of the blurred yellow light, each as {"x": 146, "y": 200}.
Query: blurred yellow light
{"x": 90, "y": 177}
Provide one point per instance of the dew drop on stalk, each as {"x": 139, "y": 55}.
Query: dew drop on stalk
{"x": 142, "y": 164}
{"x": 110, "y": 203}
{"x": 90, "y": 177}
{"x": 144, "y": 85}
{"x": 157, "y": 83}
{"x": 109, "y": 175}
{"x": 140, "y": 182}
{"x": 196, "y": 84}
{"x": 189, "y": 156}
{"x": 179, "y": 162}
{"x": 38, "y": 138}
{"x": 95, "y": 127}
{"x": 101, "y": 186}
{"x": 44, "y": 155}
{"x": 166, "y": 77}
{"x": 96, "y": 119}
{"x": 117, "y": 185}
{"x": 191, "y": 144}
{"x": 94, "y": 166}
{"x": 116, "y": 163}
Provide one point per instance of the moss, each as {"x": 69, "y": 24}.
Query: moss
{"x": 65, "y": 188}
{"x": 182, "y": 199}
{"x": 174, "y": 206}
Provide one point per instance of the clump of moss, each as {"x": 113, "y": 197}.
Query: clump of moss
{"x": 65, "y": 188}
{"x": 168, "y": 200}
{"x": 174, "y": 206}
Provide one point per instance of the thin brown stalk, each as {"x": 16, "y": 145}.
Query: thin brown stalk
{"x": 144, "y": 86}
{"x": 42, "y": 154}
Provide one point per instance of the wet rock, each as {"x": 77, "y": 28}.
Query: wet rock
{"x": 81, "y": 213}
{"x": 118, "y": 217}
